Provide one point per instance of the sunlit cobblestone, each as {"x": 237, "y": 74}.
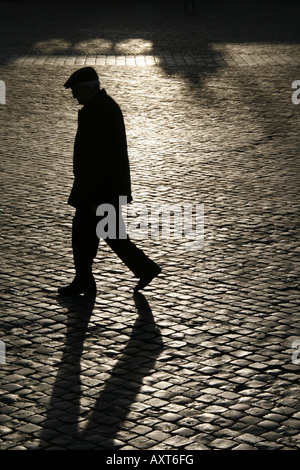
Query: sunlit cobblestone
{"x": 233, "y": 60}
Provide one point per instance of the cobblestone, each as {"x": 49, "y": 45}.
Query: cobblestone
{"x": 233, "y": 60}
{"x": 203, "y": 359}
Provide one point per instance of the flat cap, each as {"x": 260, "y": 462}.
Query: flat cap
{"x": 86, "y": 74}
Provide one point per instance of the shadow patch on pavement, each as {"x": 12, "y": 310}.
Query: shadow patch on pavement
{"x": 155, "y": 28}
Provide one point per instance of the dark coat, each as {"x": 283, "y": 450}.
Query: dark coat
{"x": 101, "y": 166}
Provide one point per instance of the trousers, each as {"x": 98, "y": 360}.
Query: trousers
{"x": 85, "y": 243}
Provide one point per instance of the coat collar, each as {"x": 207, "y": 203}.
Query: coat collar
{"x": 98, "y": 97}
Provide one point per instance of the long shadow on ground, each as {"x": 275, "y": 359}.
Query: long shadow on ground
{"x": 101, "y": 424}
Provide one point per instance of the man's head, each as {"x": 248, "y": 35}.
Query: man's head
{"x": 84, "y": 83}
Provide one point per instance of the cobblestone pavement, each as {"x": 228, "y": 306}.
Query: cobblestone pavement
{"x": 205, "y": 358}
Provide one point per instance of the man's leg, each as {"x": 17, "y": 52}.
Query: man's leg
{"x": 84, "y": 242}
{"x": 85, "y": 245}
{"x": 133, "y": 257}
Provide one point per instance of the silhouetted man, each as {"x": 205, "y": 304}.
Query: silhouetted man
{"x": 101, "y": 176}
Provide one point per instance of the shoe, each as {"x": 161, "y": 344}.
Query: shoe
{"x": 147, "y": 278}
{"x": 77, "y": 287}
